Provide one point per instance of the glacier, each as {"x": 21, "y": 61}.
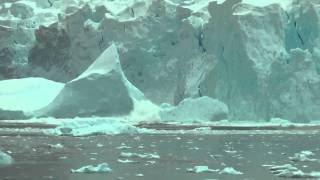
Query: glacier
{"x": 260, "y": 59}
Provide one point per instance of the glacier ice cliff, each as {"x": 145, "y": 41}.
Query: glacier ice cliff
{"x": 262, "y": 61}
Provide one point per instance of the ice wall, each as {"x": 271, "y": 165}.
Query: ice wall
{"x": 265, "y": 68}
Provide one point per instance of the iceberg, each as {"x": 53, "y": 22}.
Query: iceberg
{"x": 101, "y": 90}
{"x": 20, "y": 97}
{"x": 100, "y": 168}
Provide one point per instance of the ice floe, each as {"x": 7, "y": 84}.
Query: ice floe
{"x": 201, "y": 169}
{"x": 100, "y": 168}
{"x": 304, "y": 156}
{"x": 290, "y": 171}
{"x": 230, "y": 171}
{"x": 137, "y": 155}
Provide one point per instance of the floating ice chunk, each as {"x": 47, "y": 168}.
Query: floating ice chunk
{"x": 315, "y": 174}
{"x": 303, "y": 156}
{"x": 123, "y": 146}
{"x": 100, "y": 145}
{"x": 127, "y": 161}
{"x": 194, "y": 148}
{"x": 231, "y": 171}
{"x": 56, "y": 146}
{"x": 100, "y": 168}
{"x": 5, "y": 159}
{"x": 63, "y": 157}
{"x": 136, "y": 155}
{"x": 307, "y": 153}
{"x": 201, "y": 169}
{"x": 290, "y": 171}
{"x": 128, "y": 155}
{"x": 230, "y": 151}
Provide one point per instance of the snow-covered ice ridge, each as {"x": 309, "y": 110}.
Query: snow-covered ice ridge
{"x": 256, "y": 60}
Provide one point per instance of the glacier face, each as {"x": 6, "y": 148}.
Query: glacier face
{"x": 264, "y": 68}
{"x": 261, "y": 60}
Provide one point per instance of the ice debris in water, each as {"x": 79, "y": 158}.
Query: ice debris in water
{"x": 93, "y": 126}
{"x": 290, "y": 171}
{"x": 303, "y": 156}
{"x": 201, "y": 169}
{"x": 100, "y": 168}
{"x": 231, "y": 171}
{"x": 136, "y": 155}
{"x": 56, "y": 146}
{"x": 126, "y": 161}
